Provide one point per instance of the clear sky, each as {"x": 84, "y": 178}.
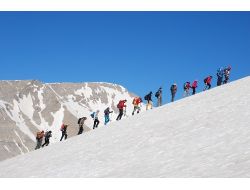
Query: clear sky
{"x": 139, "y": 50}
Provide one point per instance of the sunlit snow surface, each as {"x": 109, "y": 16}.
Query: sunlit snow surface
{"x": 206, "y": 135}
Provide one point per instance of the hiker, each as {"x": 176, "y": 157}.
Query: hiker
{"x": 121, "y": 105}
{"x": 48, "y": 135}
{"x": 186, "y": 87}
{"x": 207, "y": 82}
{"x": 227, "y": 74}
{"x": 81, "y": 123}
{"x": 158, "y": 95}
{"x": 64, "y": 132}
{"x": 194, "y": 86}
{"x": 220, "y": 73}
{"x": 95, "y": 117}
{"x": 149, "y": 100}
{"x": 106, "y": 115}
{"x": 173, "y": 90}
{"x": 39, "y": 139}
{"x": 137, "y": 105}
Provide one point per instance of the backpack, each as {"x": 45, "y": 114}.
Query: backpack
{"x": 134, "y": 101}
{"x": 185, "y": 86}
{"x": 172, "y": 88}
{"x": 205, "y": 80}
{"x": 39, "y": 135}
{"x": 157, "y": 94}
{"x": 47, "y": 134}
{"x": 119, "y": 105}
{"x": 79, "y": 120}
{"x": 92, "y": 115}
{"x": 106, "y": 111}
{"x": 146, "y": 97}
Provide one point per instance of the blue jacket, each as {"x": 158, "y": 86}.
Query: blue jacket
{"x": 220, "y": 73}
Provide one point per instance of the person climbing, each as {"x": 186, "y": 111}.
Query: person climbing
{"x": 96, "y": 119}
{"x": 207, "y": 82}
{"x": 186, "y": 87}
{"x": 64, "y": 132}
{"x": 194, "y": 86}
{"x": 81, "y": 123}
{"x": 137, "y": 105}
{"x": 220, "y": 73}
{"x": 227, "y": 74}
{"x": 106, "y": 115}
{"x": 149, "y": 100}
{"x": 48, "y": 135}
{"x": 39, "y": 139}
{"x": 158, "y": 95}
{"x": 121, "y": 105}
{"x": 173, "y": 90}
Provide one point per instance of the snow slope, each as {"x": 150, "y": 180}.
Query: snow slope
{"x": 206, "y": 135}
{"x": 27, "y": 107}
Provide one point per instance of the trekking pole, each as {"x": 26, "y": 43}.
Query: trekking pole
{"x": 110, "y": 118}
{"x": 125, "y": 112}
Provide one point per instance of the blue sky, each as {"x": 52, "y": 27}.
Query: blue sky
{"x": 139, "y": 50}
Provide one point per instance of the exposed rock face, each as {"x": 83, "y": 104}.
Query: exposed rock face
{"x": 29, "y": 106}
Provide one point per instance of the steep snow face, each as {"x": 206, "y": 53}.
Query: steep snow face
{"x": 206, "y": 135}
{"x": 30, "y": 106}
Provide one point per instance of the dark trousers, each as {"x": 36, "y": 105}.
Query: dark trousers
{"x": 226, "y": 80}
{"x": 64, "y": 135}
{"x": 173, "y": 95}
{"x": 194, "y": 90}
{"x": 120, "y": 114}
{"x": 208, "y": 86}
{"x": 46, "y": 142}
{"x": 80, "y": 130}
{"x": 219, "y": 81}
{"x": 96, "y": 123}
{"x": 39, "y": 143}
{"x": 136, "y": 108}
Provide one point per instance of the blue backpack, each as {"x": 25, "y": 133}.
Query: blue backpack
{"x": 92, "y": 115}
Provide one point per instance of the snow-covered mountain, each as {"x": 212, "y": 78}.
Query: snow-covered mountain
{"x": 29, "y": 106}
{"x": 206, "y": 135}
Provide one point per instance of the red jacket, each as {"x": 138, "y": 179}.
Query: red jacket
{"x": 209, "y": 79}
{"x": 187, "y": 85}
{"x": 137, "y": 101}
{"x": 121, "y": 104}
{"x": 195, "y": 84}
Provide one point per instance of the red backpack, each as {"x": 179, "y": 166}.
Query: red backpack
{"x": 120, "y": 105}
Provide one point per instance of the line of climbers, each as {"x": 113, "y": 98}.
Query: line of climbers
{"x": 222, "y": 78}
